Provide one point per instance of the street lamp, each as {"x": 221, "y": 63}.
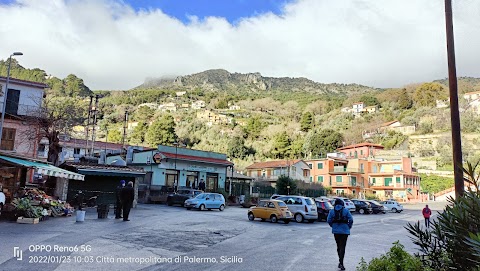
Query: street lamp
{"x": 6, "y": 93}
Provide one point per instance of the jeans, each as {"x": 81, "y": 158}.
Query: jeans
{"x": 427, "y": 222}
{"x": 341, "y": 240}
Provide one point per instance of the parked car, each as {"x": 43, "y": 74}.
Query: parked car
{"x": 275, "y": 196}
{"x": 323, "y": 208}
{"x": 393, "y": 206}
{"x": 362, "y": 206}
{"x": 270, "y": 209}
{"x": 303, "y": 208}
{"x": 377, "y": 207}
{"x": 181, "y": 196}
{"x": 205, "y": 201}
{"x": 2, "y": 201}
{"x": 347, "y": 203}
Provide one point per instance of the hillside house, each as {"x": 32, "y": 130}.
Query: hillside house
{"x": 24, "y": 100}
{"x": 370, "y": 109}
{"x": 271, "y": 170}
{"x": 213, "y": 118}
{"x": 153, "y": 106}
{"x": 198, "y": 104}
{"x": 471, "y": 95}
{"x": 357, "y": 108}
{"x": 168, "y": 107}
{"x": 397, "y": 127}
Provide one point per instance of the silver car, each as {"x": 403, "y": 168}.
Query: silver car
{"x": 302, "y": 208}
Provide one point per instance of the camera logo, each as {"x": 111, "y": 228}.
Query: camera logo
{"x": 17, "y": 253}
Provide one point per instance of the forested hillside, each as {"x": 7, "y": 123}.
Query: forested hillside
{"x": 269, "y": 118}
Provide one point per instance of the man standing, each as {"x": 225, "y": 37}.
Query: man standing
{"x": 341, "y": 221}
{"x": 201, "y": 185}
{"x": 426, "y": 214}
{"x": 118, "y": 191}
{"x": 127, "y": 196}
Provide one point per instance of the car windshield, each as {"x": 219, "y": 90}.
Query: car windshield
{"x": 375, "y": 202}
{"x": 309, "y": 201}
{"x": 281, "y": 204}
{"x": 201, "y": 196}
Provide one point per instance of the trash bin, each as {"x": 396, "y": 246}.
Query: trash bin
{"x": 80, "y": 216}
{"x": 102, "y": 210}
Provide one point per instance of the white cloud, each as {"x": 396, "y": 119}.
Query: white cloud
{"x": 376, "y": 43}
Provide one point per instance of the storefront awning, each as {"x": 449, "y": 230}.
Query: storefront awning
{"x": 111, "y": 172}
{"x": 43, "y": 168}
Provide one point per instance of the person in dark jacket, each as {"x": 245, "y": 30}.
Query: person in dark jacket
{"x": 79, "y": 200}
{"x": 201, "y": 185}
{"x": 341, "y": 221}
{"x": 118, "y": 192}
{"x": 127, "y": 195}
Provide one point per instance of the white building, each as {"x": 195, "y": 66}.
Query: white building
{"x": 357, "y": 108}
{"x": 172, "y": 107}
{"x": 198, "y": 104}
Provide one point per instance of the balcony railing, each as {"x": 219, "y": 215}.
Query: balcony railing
{"x": 339, "y": 169}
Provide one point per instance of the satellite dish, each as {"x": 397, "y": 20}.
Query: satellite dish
{"x": 118, "y": 162}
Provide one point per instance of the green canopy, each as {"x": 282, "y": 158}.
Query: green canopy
{"x": 43, "y": 168}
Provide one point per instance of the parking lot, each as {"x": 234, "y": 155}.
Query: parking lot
{"x": 160, "y": 237}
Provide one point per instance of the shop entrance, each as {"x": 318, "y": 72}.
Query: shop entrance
{"x": 171, "y": 178}
{"x": 192, "y": 179}
{"x": 211, "y": 184}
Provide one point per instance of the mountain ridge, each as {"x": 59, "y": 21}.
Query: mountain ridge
{"x": 223, "y": 80}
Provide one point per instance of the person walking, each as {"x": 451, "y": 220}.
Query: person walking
{"x": 341, "y": 221}
{"x": 426, "y": 214}
{"x": 79, "y": 200}
{"x": 118, "y": 192}
{"x": 127, "y": 196}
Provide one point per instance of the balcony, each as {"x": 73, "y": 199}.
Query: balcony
{"x": 341, "y": 169}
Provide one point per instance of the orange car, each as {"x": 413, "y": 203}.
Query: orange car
{"x": 270, "y": 209}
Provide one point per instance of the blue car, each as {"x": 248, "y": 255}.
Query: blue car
{"x": 206, "y": 201}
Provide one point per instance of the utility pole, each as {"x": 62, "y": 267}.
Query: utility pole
{"x": 125, "y": 123}
{"x": 88, "y": 124}
{"x": 94, "y": 123}
{"x": 454, "y": 112}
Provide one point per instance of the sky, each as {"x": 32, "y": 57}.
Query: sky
{"x": 117, "y": 45}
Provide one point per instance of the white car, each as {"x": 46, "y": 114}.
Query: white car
{"x": 2, "y": 201}
{"x": 393, "y": 206}
{"x": 346, "y": 202}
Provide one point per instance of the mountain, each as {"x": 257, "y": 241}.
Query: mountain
{"x": 222, "y": 80}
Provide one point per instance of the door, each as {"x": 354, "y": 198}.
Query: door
{"x": 209, "y": 201}
{"x": 13, "y": 97}
{"x": 211, "y": 184}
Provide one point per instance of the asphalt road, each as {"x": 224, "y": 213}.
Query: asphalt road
{"x": 159, "y": 237}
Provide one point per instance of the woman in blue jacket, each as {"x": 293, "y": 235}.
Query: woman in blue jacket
{"x": 341, "y": 221}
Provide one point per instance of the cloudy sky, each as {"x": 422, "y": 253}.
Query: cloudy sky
{"x": 114, "y": 44}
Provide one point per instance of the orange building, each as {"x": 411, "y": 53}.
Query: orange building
{"x": 362, "y": 150}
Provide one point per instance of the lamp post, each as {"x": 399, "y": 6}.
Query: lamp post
{"x": 175, "y": 184}
{"x": 6, "y": 93}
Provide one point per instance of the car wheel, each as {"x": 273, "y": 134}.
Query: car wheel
{"x": 273, "y": 219}
{"x": 189, "y": 208}
{"x": 251, "y": 217}
{"x": 299, "y": 218}
{"x": 394, "y": 210}
{"x": 202, "y": 207}
{"x": 286, "y": 221}
{"x": 361, "y": 211}
{"x": 222, "y": 207}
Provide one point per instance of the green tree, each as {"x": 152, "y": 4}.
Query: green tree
{"x": 428, "y": 93}
{"x": 236, "y": 148}
{"x": 320, "y": 143}
{"x": 369, "y": 100}
{"x": 285, "y": 185}
{"x": 138, "y": 134}
{"x": 161, "y": 131}
{"x": 115, "y": 136}
{"x": 404, "y": 100}
{"x": 74, "y": 86}
{"x": 306, "y": 122}
{"x": 395, "y": 259}
{"x": 143, "y": 114}
{"x": 254, "y": 127}
{"x": 281, "y": 146}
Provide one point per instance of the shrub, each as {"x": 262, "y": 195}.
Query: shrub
{"x": 394, "y": 260}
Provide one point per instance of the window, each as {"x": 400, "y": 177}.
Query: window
{"x": 271, "y": 205}
{"x": 8, "y": 139}
{"x": 399, "y": 180}
{"x": 361, "y": 152}
{"x": 320, "y": 166}
{"x": 311, "y": 179}
{"x": 339, "y": 179}
{"x": 388, "y": 181}
{"x": 362, "y": 168}
{"x": 310, "y": 166}
{"x": 374, "y": 181}
{"x": 320, "y": 179}
{"x": 76, "y": 151}
{"x": 375, "y": 169}
{"x": 13, "y": 97}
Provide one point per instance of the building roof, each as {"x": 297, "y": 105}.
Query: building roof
{"x": 237, "y": 175}
{"x": 24, "y": 82}
{"x": 273, "y": 164}
{"x": 365, "y": 144}
{"x": 104, "y": 170}
{"x": 388, "y": 123}
{"x": 473, "y": 92}
{"x": 80, "y": 143}
{"x": 196, "y": 158}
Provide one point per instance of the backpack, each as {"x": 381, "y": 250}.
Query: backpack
{"x": 338, "y": 216}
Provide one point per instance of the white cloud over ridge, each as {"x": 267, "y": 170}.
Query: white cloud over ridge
{"x": 375, "y": 43}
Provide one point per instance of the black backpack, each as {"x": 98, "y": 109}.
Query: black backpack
{"x": 338, "y": 217}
